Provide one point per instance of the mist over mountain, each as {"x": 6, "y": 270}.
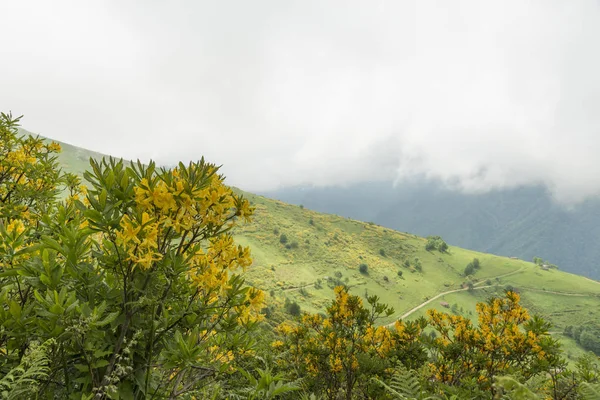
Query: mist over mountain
{"x": 524, "y": 222}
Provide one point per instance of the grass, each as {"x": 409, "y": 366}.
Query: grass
{"x": 72, "y": 159}
{"x": 332, "y": 248}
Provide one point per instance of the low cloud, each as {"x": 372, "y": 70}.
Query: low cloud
{"x": 479, "y": 95}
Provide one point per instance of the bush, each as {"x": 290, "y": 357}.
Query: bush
{"x": 124, "y": 296}
{"x": 476, "y": 263}
{"x": 293, "y": 308}
{"x": 311, "y": 222}
{"x": 430, "y": 245}
{"x": 443, "y": 246}
{"x": 283, "y": 239}
{"x": 294, "y": 245}
{"x": 337, "y": 274}
{"x": 363, "y": 269}
{"x": 382, "y": 252}
{"x": 417, "y": 264}
{"x": 436, "y": 242}
{"x": 276, "y": 231}
{"x": 469, "y": 269}
{"x": 385, "y": 278}
{"x": 400, "y": 273}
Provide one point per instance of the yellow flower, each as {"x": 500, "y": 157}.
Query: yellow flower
{"x": 129, "y": 232}
{"x": 54, "y": 147}
{"x": 17, "y": 226}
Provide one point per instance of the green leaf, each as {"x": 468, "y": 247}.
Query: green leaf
{"x": 102, "y": 198}
{"x": 126, "y": 391}
{"x": 14, "y": 309}
{"x": 100, "y": 363}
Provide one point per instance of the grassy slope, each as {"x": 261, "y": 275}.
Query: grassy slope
{"x": 336, "y": 244}
{"x": 73, "y": 159}
{"x": 333, "y": 244}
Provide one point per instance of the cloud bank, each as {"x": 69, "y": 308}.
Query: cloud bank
{"x": 479, "y": 95}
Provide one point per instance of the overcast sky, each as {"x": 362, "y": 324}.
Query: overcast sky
{"x": 478, "y": 94}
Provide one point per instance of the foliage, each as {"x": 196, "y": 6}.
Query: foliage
{"x": 283, "y": 239}
{"x": 589, "y": 391}
{"x": 505, "y": 341}
{"x": 292, "y": 308}
{"x": 24, "y": 380}
{"x": 266, "y": 386}
{"x": 469, "y": 269}
{"x": 343, "y": 348}
{"x": 136, "y": 278}
{"x": 515, "y": 390}
{"x": 436, "y": 243}
{"x": 587, "y": 335}
{"x": 363, "y": 269}
{"x": 417, "y": 264}
{"x": 404, "y": 384}
{"x": 472, "y": 267}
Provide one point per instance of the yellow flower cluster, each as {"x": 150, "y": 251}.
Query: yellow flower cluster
{"x": 209, "y": 270}
{"x": 176, "y": 211}
{"x": 139, "y": 238}
{"x": 493, "y": 347}
{"x": 332, "y": 344}
{"x": 16, "y": 226}
{"x": 174, "y": 208}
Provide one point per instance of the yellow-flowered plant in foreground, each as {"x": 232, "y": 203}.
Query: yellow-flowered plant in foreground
{"x": 505, "y": 341}
{"x": 135, "y": 275}
{"x": 341, "y": 349}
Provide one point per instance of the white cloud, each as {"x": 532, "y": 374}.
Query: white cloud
{"x": 478, "y": 94}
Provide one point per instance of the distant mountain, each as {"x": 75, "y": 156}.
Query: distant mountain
{"x": 523, "y": 222}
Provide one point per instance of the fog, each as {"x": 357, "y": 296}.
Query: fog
{"x": 479, "y": 95}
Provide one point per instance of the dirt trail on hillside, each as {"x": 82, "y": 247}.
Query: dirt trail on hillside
{"x": 296, "y": 288}
{"x": 434, "y": 298}
{"x": 561, "y": 293}
{"x": 483, "y": 287}
{"x": 592, "y": 280}
{"x": 475, "y": 287}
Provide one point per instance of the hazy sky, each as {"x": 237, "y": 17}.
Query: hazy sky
{"x": 478, "y": 94}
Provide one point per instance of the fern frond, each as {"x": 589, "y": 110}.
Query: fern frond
{"x": 22, "y": 382}
{"x": 514, "y": 389}
{"x": 589, "y": 391}
{"x": 404, "y": 385}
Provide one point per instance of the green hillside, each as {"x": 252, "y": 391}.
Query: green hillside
{"x": 72, "y": 158}
{"x": 320, "y": 251}
{"x": 524, "y": 221}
